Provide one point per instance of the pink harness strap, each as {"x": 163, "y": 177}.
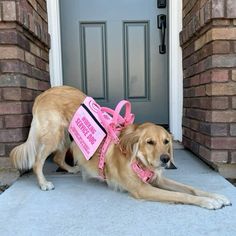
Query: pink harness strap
{"x": 144, "y": 174}
{"x": 113, "y": 128}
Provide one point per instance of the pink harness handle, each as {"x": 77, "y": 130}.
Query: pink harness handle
{"x": 117, "y": 122}
{"x": 113, "y": 127}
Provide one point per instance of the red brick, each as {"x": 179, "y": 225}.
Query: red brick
{"x": 1, "y": 12}
{"x": 194, "y": 125}
{"x": 192, "y": 102}
{"x": 221, "y": 47}
{"x": 231, "y": 8}
{"x": 2, "y": 149}
{"x": 203, "y": 53}
{"x": 190, "y": 92}
{"x": 234, "y": 43}
{"x": 186, "y": 142}
{"x": 202, "y": 3}
{"x": 233, "y": 129}
{"x": 221, "y": 89}
{"x": 13, "y": 135}
{"x": 39, "y": 74}
{"x": 33, "y": 3}
{"x": 213, "y": 156}
{"x": 11, "y": 52}
{"x": 14, "y": 108}
{"x": 207, "y": 12}
{"x": 214, "y": 129}
{"x": 42, "y": 12}
{"x": 1, "y": 122}
{"x": 196, "y": 114}
{"x": 188, "y": 50}
{"x": 234, "y": 75}
{"x": 45, "y": 55}
{"x": 43, "y": 85}
{"x": 186, "y": 122}
{"x": 9, "y": 10}
{"x": 188, "y": 62}
{"x": 204, "y": 65}
{"x": 32, "y": 83}
{"x": 30, "y": 58}
{"x": 220, "y": 103}
{"x": 10, "y": 80}
{"x": 17, "y": 94}
{"x": 222, "y": 33}
{"x": 221, "y": 22}
{"x": 233, "y": 157}
{"x": 15, "y": 66}
{"x": 225, "y": 60}
{"x": 206, "y": 102}
{"x": 8, "y": 37}
{"x": 18, "y": 121}
{"x": 34, "y": 49}
{"x": 218, "y": 8}
{"x": 187, "y": 132}
{"x": 200, "y": 91}
{"x": 40, "y": 63}
{"x": 223, "y": 143}
{"x": 42, "y": 3}
{"x": 221, "y": 116}
{"x": 234, "y": 102}
{"x": 202, "y": 18}
{"x": 217, "y": 103}
{"x": 205, "y": 77}
{"x": 220, "y": 75}
{"x": 192, "y": 81}
{"x": 15, "y": 38}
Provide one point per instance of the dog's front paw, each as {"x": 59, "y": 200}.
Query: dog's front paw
{"x": 222, "y": 199}
{"x": 47, "y": 186}
{"x": 210, "y": 203}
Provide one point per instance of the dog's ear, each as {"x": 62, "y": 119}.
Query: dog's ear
{"x": 171, "y": 165}
{"x": 129, "y": 136}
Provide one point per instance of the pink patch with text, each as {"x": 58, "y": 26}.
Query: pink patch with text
{"x": 86, "y": 128}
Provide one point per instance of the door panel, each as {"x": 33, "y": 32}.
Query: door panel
{"x": 110, "y": 50}
{"x": 136, "y": 62}
{"x": 94, "y": 60}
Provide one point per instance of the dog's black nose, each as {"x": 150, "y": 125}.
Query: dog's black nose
{"x": 164, "y": 158}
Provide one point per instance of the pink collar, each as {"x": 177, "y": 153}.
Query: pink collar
{"x": 144, "y": 174}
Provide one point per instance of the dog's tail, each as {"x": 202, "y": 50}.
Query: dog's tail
{"x": 23, "y": 156}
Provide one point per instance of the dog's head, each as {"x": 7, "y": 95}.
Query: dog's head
{"x": 150, "y": 143}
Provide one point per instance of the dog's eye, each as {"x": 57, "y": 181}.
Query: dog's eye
{"x": 151, "y": 142}
{"x": 166, "y": 141}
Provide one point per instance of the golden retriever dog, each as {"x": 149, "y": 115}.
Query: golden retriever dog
{"x": 147, "y": 144}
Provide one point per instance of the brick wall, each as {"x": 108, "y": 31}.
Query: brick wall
{"x": 24, "y": 46}
{"x": 208, "y": 41}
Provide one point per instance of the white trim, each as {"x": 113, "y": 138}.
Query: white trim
{"x": 55, "y": 65}
{"x": 175, "y": 60}
{"x": 175, "y": 70}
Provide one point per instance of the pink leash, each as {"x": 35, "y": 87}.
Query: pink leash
{"x": 113, "y": 128}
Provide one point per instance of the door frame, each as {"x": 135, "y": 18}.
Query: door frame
{"x": 175, "y": 60}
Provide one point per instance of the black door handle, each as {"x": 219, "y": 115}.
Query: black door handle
{"x": 161, "y": 24}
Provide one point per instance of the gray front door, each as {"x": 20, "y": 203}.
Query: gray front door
{"x": 110, "y": 50}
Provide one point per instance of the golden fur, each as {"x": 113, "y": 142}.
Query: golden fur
{"x": 148, "y": 143}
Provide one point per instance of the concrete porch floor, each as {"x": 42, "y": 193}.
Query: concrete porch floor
{"x": 90, "y": 208}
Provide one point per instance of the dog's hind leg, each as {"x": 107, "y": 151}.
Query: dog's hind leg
{"x": 38, "y": 169}
{"x": 59, "y": 159}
